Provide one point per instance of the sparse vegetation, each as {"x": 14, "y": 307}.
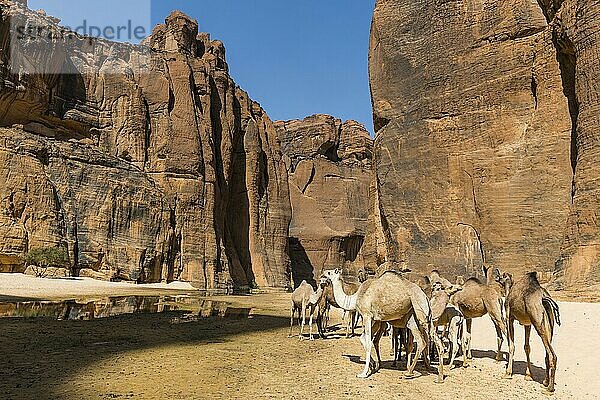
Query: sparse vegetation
{"x": 43, "y": 258}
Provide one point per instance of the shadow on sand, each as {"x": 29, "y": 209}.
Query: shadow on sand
{"x": 519, "y": 367}
{"x": 40, "y": 354}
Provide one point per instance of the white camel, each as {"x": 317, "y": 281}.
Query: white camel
{"x": 344, "y": 294}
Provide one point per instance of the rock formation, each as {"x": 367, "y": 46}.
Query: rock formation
{"x": 146, "y": 161}
{"x": 486, "y": 116}
{"x": 329, "y": 166}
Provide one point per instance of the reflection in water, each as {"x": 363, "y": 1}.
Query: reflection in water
{"x": 112, "y": 306}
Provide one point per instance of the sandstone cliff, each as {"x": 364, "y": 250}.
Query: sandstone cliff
{"x": 329, "y": 166}
{"x": 486, "y": 116}
{"x": 145, "y": 161}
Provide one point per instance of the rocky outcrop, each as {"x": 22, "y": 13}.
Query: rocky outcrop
{"x": 486, "y": 145}
{"x": 146, "y": 161}
{"x": 329, "y": 166}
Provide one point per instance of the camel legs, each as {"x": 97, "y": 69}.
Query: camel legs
{"x": 544, "y": 331}
{"x": 322, "y": 320}
{"x": 410, "y": 345}
{"x": 303, "y": 320}
{"x": 500, "y": 332}
{"x": 440, "y": 350}
{"x": 350, "y": 326}
{"x": 453, "y": 330}
{"x": 527, "y": 349}
{"x": 422, "y": 343}
{"x": 379, "y": 331}
{"x": 397, "y": 343}
{"x": 511, "y": 347}
{"x": 499, "y": 339}
{"x": 467, "y": 342}
{"x": 367, "y": 342}
{"x": 292, "y": 319}
{"x": 311, "y": 311}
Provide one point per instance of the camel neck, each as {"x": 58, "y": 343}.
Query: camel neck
{"x": 438, "y": 305}
{"x": 314, "y": 298}
{"x": 345, "y": 301}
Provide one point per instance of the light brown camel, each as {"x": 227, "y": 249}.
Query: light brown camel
{"x": 325, "y": 302}
{"x": 530, "y": 304}
{"x": 477, "y": 299}
{"x": 394, "y": 299}
{"x": 304, "y": 299}
{"x": 401, "y": 337}
{"x": 444, "y": 315}
{"x": 344, "y": 294}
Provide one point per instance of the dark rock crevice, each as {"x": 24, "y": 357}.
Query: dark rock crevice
{"x": 565, "y": 54}
{"x": 379, "y": 122}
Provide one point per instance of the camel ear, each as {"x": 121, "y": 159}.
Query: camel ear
{"x": 496, "y": 274}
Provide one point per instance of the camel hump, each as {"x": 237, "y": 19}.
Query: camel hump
{"x": 532, "y": 279}
{"x": 473, "y": 280}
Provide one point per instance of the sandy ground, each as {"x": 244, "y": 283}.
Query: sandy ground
{"x": 166, "y": 356}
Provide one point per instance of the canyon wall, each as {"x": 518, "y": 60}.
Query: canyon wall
{"x": 486, "y": 116}
{"x": 146, "y": 162}
{"x": 329, "y": 166}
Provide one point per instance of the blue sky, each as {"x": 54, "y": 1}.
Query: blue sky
{"x": 296, "y": 58}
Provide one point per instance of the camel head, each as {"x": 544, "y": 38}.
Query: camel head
{"x": 324, "y": 281}
{"x": 333, "y": 274}
{"x": 435, "y": 277}
{"x": 460, "y": 280}
{"x": 506, "y": 281}
{"x": 449, "y": 289}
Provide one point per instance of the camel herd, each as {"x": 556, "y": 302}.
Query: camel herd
{"x": 431, "y": 310}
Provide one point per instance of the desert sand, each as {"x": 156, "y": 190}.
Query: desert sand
{"x": 168, "y": 356}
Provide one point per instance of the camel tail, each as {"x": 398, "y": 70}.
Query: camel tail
{"x": 551, "y": 308}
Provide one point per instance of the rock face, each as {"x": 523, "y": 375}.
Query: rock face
{"x": 486, "y": 119}
{"x": 329, "y": 166}
{"x": 145, "y": 161}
